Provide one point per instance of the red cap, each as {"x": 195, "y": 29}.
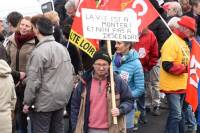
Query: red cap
{"x": 188, "y": 22}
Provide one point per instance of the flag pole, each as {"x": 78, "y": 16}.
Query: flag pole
{"x": 173, "y": 35}
{"x": 112, "y": 81}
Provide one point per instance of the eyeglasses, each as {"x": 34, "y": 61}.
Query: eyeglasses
{"x": 105, "y": 66}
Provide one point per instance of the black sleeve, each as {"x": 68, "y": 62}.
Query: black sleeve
{"x": 167, "y": 65}
{"x": 126, "y": 98}
{"x": 16, "y": 76}
{"x": 3, "y": 54}
{"x": 75, "y": 105}
{"x": 75, "y": 58}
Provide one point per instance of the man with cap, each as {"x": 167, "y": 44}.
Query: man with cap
{"x": 91, "y": 101}
{"x": 49, "y": 80}
{"x": 175, "y": 55}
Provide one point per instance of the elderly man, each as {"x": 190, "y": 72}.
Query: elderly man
{"x": 173, "y": 74}
{"x": 91, "y": 101}
{"x": 70, "y": 8}
{"x": 49, "y": 80}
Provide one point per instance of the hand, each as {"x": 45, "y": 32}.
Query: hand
{"x": 115, "y": 112}
{"x": 22, "y": 75}
{"x": 186, "y": 69}
{"x": 26, "y": 109}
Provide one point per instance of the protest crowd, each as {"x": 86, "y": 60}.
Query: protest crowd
{"x": 53, "y": 79}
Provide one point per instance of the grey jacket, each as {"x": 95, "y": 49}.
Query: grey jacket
{"x": 49, "y": 76}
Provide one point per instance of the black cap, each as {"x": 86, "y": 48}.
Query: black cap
{"x": 102, "y": 54}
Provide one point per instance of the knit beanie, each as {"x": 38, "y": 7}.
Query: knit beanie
{"x": 102, "y": 54}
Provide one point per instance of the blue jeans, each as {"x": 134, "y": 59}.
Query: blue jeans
{"x": 129, "y": 119}
{"x": 21, "y": 122}
{"x": 141, "y": 105}
{"x": 175, "y": 121}
{"x": 189, "y": 117}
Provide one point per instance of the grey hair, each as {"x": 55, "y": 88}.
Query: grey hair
{"x": 176, "y": 7}
{"x": 70, "y": 3}
{"x": 127, "y": 42}
{"x": 173, "y": 22}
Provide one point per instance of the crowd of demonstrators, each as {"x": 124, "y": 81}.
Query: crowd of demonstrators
{"x": 70, "y": 8}
{"x": 127, "y": 64}
{"x": 19, "y": 45}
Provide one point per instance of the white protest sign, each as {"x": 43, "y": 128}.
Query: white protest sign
{"x": 109, "y": 25}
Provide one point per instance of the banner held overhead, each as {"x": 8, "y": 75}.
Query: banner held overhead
{"x": 110, "y": 25}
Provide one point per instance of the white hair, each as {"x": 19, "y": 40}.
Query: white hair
{"x": 70, "y": 3}
{"x": 175, "y": 6}
{"x": 173, "y": 22}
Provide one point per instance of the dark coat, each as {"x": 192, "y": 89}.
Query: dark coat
{"x": 161, "y": 32}
{"x": 3, "y": 53}
{"x": 197, "y": 18}
{"x": 126, "y": 101}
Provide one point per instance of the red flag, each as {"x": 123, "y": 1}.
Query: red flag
{"x": 114, "y": 5}
{"x": 89, "y": 46}
{"x": 145, "y": 11}
{"x": 193, "y": 76}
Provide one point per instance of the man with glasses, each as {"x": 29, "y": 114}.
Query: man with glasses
{"x": 91, "y": 101}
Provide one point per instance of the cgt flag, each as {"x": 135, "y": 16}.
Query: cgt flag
{"x": 193, "y": 76}
{"x": 76, "y": 37}
{"x": 144, "y": 10}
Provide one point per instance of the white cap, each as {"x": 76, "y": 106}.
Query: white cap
{"x": 160, "y": 2}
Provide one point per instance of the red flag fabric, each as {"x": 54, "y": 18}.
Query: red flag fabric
{"x": 114, "y": 5}
{"x": 89, "y": 46}
{"x": 193, "y": 76}
{"x": 145, "y": 11}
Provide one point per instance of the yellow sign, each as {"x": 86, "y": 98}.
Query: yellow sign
{"x": 82, "y": 43}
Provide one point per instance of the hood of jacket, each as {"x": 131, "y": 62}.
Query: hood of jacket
{"x": 5, "y": 70}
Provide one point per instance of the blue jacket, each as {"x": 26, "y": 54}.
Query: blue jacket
{"x": 121, "y": 88}
{"x": 132, "y": 72}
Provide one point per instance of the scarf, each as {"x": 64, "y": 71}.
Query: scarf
{"x": 117, "y": 60}
{"x": 21, "y": 39}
